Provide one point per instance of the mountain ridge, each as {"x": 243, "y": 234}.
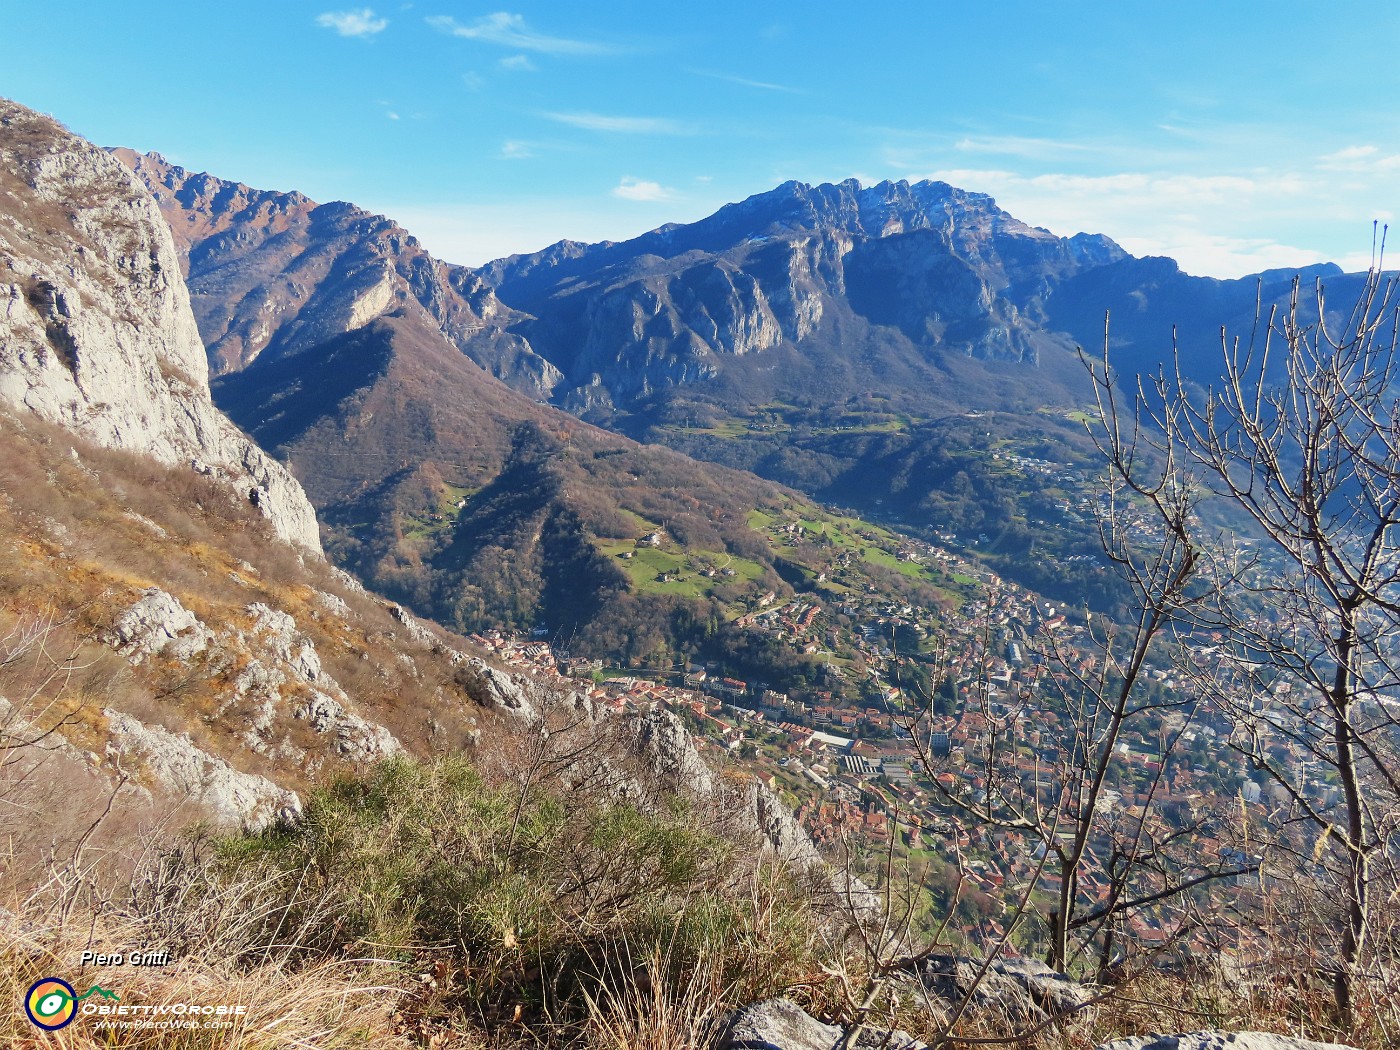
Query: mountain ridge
{"x": 869, "y": 346}
{"x": 274, "y": 272}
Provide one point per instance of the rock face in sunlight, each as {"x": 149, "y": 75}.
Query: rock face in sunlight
{"x": 272, "y": 274}
{"x": 96, "y": 331}
{"x": 942, "y": 267}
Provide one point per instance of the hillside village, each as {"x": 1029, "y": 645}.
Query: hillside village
{"x": 981, "y": 688}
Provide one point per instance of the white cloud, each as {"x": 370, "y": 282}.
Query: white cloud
{"x": 476, "y": 234}
{"x": 361, "y": 23}
{"x": 1219, "y": 256}
{"x": 1194, "y": 219}
{"x": 1361, "y": 160}
{"x": 510, "y": 30}
{"x": 620, "y": 125}
{"x": 746, "y": 82}
{"x": 514, "y": 149}
{"x": 518, "y": 63}
{"x": 631, "y": 189}
{"x": 1021, "y": 146}
{"x": 473, "y": 80}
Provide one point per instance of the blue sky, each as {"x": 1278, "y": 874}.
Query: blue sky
{"x": 1232, "y": 136}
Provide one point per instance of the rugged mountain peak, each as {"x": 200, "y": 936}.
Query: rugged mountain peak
{"x": 822, "y": 271}
{"x": 96, "y": 331}
{"x": 273, "y": 274}
{"x": 882, "y": 210}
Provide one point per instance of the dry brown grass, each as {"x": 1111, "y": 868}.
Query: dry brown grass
{"x": 327, "y": 1006}
{"x": 83, "y": 531}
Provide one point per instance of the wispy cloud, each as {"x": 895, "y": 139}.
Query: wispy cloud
{"x": 632, "y": 189}
{"x": 620, "y": 125}
{"x": 1368, "y": 160}
{"x": 1027, "y": 147}
{"x": 361, "y": 23}
{"x": 1181, "y": 215}
{"x": 510, "y": 30}
{"x": 746, "y": 82}
{"x": 518, "y": 64}
{"x": 515, "y": 149}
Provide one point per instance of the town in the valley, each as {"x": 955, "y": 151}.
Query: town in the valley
{"x": 920, "y": 710}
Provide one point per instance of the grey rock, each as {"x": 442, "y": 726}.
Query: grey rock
{"x": 306, "y": 662}
{"x": 355, "y": 738}
{"x": 780, "y": 1024}
{"x": 158, "y": 624}
{"x": 277, "y": 630}
{"x": 332, "y": 603}
{"x": 664, "y": 744}
{"x": 1220, "y": 1041}
{"x": 495, "y": 688}
{"x": 259, "y": 681}
{"x": 178, "y": 765}
{"x": 781, "y": 830}
{"x": 667, "y": 751}
{"x": 413, "y": 627}
{"x": 349, "y": 582}
{"x": 1023, "y": 989}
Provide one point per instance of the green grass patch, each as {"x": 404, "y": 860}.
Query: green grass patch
{"x": 451, "y": 501}
{"x": 685, "y": 569}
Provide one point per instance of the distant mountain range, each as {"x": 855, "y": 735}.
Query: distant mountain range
{"x": 869, "y": 346}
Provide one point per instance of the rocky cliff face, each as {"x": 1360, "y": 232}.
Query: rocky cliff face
{"x": 945, "y": 268}
{"x": 96, "y": 331}
{"x": 272, "y": 274}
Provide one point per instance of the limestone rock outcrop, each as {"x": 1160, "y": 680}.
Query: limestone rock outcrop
{"x": 158, "y": 623}
{"x": 780, "y": 1024}
{"x": 177, "y": 764}
{"x": 496, "y": 688}
{"x": 1024, "y": 990}
{"x": 96, "y": 331}
{"x": 280, "y": 680}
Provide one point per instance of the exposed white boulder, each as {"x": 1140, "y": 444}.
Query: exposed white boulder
{"x": 181, "y": 767}
{"x": 664, "y": 744}
{"x": 1022, "y": 989}
{"x": 780, "y": 1024}
{"x": 158, "y": 624}
{"x": 355, "y": 738}
{"x": 496, "y": 688}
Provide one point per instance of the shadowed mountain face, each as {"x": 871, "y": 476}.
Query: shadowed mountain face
{"x": 341, "y": 347}
{"x": 443, "y": 488}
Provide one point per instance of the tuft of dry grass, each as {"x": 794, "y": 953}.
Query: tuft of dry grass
{"x": 653, "y": 1005}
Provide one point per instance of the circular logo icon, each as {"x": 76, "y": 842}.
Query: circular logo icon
{"x": 51, "y": 1003}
